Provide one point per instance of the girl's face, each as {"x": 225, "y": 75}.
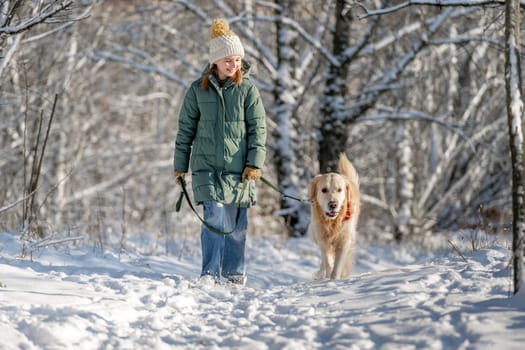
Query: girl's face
{"x": 228, "y": 66}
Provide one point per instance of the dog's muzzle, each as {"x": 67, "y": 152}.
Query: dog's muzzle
{"x": 332, "y": 211}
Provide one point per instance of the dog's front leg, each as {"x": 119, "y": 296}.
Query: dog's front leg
{"x": 325, "y": 265}
{"x": 343, "y": 260}
{"x": 330, "y": 260}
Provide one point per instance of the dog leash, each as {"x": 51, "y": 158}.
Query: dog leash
{"x": 184, "y": 194}
{"x": 272, "y": 186}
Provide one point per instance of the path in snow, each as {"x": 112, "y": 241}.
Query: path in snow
{"x": 84, "y": 302}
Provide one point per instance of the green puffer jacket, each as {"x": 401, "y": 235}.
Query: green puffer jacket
{"x": 224, "y": 130}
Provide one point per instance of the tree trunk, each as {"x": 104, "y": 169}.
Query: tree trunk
{"x": 515, "y": 116}
{"x": 405, "y": 180}
{"x": 288, "y": 153}
{"x": 333, "y": 129}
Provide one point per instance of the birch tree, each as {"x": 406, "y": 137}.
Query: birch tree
{"x": 287, "y": 94}
{"x": 405, "y": 182}
{"x": 513, "y": 86}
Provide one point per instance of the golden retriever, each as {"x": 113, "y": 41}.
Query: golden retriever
{"x": 333, "y": 218}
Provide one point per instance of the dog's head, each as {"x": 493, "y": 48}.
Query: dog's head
{"x": 330, "y": 193}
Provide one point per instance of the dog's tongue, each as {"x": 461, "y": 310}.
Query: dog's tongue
{"x": 331, "y": 214}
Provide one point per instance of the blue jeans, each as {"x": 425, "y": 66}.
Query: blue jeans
{"x": 223, "y": 255}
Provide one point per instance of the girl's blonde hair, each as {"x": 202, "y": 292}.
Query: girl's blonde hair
{"x": 205, "y": 80}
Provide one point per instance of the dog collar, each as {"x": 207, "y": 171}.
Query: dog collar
{"x": 348, "y": 214}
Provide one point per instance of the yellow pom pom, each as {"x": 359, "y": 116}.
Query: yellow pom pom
{"x": 220, "y": 27}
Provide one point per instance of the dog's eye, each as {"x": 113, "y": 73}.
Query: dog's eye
{"x": 339, "y": 190}
{"x": 324, "y": 190}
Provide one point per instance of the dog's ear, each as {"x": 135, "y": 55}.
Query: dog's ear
{"x": 313, "y": 188}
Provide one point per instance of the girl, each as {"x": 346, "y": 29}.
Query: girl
{"x": 222, "y": 137}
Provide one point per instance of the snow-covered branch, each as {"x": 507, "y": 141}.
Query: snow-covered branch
{"x": 196, "y": 10}
{"x": 14, "y": 204}
{"x": 47, "y": 242}
{"x": 362, "y": 43}
{"x": 465, "y": 39}
{"x": 396, "y": 69}
{"x": 439, "y": 3}
{"x": 84, "y": 15}
{"x": 27, "y": 23}
{"x": 413, "y": 115}
{"x": 453, "y": 153}
{"x": 105, "y": 55}
{"x": 119, "y": 178}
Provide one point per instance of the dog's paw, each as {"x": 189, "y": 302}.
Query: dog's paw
{"x": 319, "y": 275}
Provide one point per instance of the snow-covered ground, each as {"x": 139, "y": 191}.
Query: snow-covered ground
{"x": 78, "y": 297}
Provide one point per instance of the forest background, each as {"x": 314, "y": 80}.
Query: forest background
{"x": 414, "y": 95}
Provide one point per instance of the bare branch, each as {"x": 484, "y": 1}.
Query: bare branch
{"x": 122, "y": 177}
{"x": 439, "y": 3}
{"x": 353, "y": 112}
{"x": 414, "y": 115}
{"x": 20, "y": 200}
{"x": 81, "y": 17}
{"x": 140, "y": 66}
{"x": 28, "y": 23}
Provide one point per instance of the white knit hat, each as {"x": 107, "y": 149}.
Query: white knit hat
{"x": 223, "y": 41}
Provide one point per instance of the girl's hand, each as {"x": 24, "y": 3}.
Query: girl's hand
{"x": 179, "y": 175}
{"x": 251, "y": 173}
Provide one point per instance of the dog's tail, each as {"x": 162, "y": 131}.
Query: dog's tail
{"x": 347, "y": 169}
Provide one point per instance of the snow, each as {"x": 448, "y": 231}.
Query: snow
{"x": 399, "y": 297}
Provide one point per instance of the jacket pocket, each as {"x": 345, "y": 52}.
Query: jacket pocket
{"x": 204, "y": 186}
